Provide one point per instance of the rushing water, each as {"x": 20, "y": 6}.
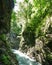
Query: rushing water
{"x": 23, "y": 59}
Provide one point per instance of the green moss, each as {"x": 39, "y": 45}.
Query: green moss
{"x": 5, "y": 59}
{"x": 49, "y": 56}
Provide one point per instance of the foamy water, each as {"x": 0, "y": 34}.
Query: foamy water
{"x": 23, "y": 59}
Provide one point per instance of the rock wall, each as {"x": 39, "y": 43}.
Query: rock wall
{"x": 6, "y": 57}
{"x": 6, "y": 7}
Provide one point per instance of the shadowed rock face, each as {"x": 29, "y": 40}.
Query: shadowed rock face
{"x": 6, "y": 57}
{"x": 6, "y": 7}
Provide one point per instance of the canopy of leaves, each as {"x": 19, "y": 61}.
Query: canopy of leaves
{"x": 39, "y": 11}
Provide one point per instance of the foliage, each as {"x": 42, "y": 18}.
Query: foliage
{"x": 5, "y": 59}
{"x": 36, "y": 15}
{"x": 15, "y": 28}
{"x": 39, "y": 11}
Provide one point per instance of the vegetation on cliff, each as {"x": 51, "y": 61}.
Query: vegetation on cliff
{"x": 29, "y": 30}
{"x": 6, "y": 56}
{"x": 36, "y": 18}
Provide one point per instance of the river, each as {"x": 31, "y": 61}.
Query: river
{"x": 23, "y": 59}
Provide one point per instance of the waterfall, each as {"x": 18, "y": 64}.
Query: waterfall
{"x": 23, "y": 59}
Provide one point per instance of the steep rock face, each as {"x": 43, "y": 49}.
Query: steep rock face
{"x": 6, "y": 57}
{"x": 41, "y": 51}
{"x": 14, "y": 40}
{"x": 5, "y": 15}
{"x": 42, "y": 47}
